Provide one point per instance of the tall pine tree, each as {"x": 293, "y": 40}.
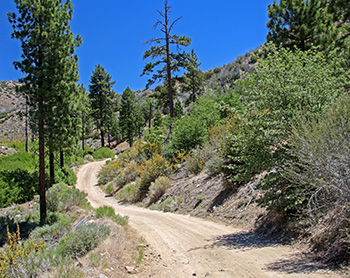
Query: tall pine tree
{"x": 128, "y": 121}
{"x": 102, "y": 96}
{"x": 48, "y": 63}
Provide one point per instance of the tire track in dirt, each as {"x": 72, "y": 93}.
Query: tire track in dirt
{"x": 190, "y": 246}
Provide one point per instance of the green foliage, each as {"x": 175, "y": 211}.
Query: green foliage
{"x": 102, "y": 98}
{"x": 19, "y": 160}
{"x": 60, "y": 198}
{"x": 65, "y": 175}
{"x": 179, "y": 111}
{"x": 195, "y": 161}
{"x": 16, "y": 255}
{"x": 158, "y": 188}
{"x": 192, "y": 130}
{"x": 285, "y": 87}
{"x": 83, "y": 240}
{"x": 189, "y": 132}
{"x": 172, "y": 61}
{"x": 17, "y": 187}
{"x": 110, "y": 212}
{"x": 303, "y": 24}
{"x": 130, "y": 193}
{"x": 49, "y": 83}
{"x": 129, "y": 116}
{"x": 171, "y": 204}
{"x": 150, "y": 170}
{"x": 315, "y": 185}
{"x": 102, "y": 153}
{"x": 193, "y": 80}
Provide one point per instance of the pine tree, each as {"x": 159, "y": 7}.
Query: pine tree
{"x": 172, "y": 61}
{"x": 128, "y": 116}
{"x": 48, "y": 63}
{"x": 302, "y": 24}
{"x": 193, "y": 80}
{"x": 86, "y": 120}
{"x": 102, "y": 96}
{"x": 179, "y": 110}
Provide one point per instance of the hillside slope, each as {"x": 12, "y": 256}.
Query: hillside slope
{"x": 12, "y": 125}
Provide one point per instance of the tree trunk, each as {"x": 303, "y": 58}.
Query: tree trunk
{"x": 51, "y": 161}
{"x": 168, "y": 65}
{"x": 52, "y": 168}
{"x": 26, "y": 124}
{"x": 61, "y": 159}
{"x": 102, "y": 138}
{"x": 42, "y": 165}
{"x": 83, "y": 134}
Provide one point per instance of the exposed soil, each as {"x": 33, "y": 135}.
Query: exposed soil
{"x": 186, "y": 246}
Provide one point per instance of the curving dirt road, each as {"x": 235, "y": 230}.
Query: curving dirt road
{"x": 192, "y": 247}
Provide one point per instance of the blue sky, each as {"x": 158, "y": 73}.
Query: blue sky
{"x": 113, "y": 33}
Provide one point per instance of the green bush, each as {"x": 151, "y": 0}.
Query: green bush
{"x": 83, "y": 240}
{"x": 60, "y": 198}
{"x": 314, "y": 186}
{"x": 65, "y": 175}
{"x": 158, "y": 188}
{"x": 103, "y": 153}
{"x": 150, "y": 170}
{"x": 110, "y": 212}
{"x": 88, "y": 150}
{"x": 171, "y": 204}
{"x": 17, "y": 187}
{"x": 129, "y": 193}
{"x": 20, "y": 160}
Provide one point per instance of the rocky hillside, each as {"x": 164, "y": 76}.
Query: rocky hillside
{"x": 11, "y": 108}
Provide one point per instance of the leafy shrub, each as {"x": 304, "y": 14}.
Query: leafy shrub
{"x": 18, "y": 186}
{"x": 17, "y": 253}
{"x": 109, "y": 171}
{"x": 103, "y": 153}
{"x": 109, "y": 189}
{"x": 315, "y": 185}
{"x": 88, "y": 158}
{"x": 60, "y": 198}
{"x": 54, "y": 232}
{"x": 192, "y": 130}
{"x": 19, "y": 160}
{"x": 88, "y": 150}
{"x": 110, "y": 212}
{"x": 130, "y": 193}
{"x": 171, "y": 204}
{"x": 214, "y": 165}
{"x": 83, "y": 240}
{"x": 158, "y": 188}
{"x": 150, "y": 170}
{"x": 195, "y": 162}
{"x": 65, "y": 175}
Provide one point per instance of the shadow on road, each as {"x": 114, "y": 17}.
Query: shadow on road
{"x": 243, "y": 240}
{"x": 299, "y": 263}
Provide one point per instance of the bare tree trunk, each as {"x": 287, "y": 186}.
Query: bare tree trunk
{"x": 26, "y": 124}
{"x": 42, "y": 164}
{"x": 168, "y": 65}
{"x": 61, "y": 159}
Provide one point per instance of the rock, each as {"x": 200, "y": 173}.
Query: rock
{"x": 131, "y": 269}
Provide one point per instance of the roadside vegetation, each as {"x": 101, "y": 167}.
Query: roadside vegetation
{"x": 276, "y": 119}
{"x": 73, "y": 229}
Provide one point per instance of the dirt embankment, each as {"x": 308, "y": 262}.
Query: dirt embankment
{"x": 186, "y": 246}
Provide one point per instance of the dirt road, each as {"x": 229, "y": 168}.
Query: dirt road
{"x": 192, "y": 247}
